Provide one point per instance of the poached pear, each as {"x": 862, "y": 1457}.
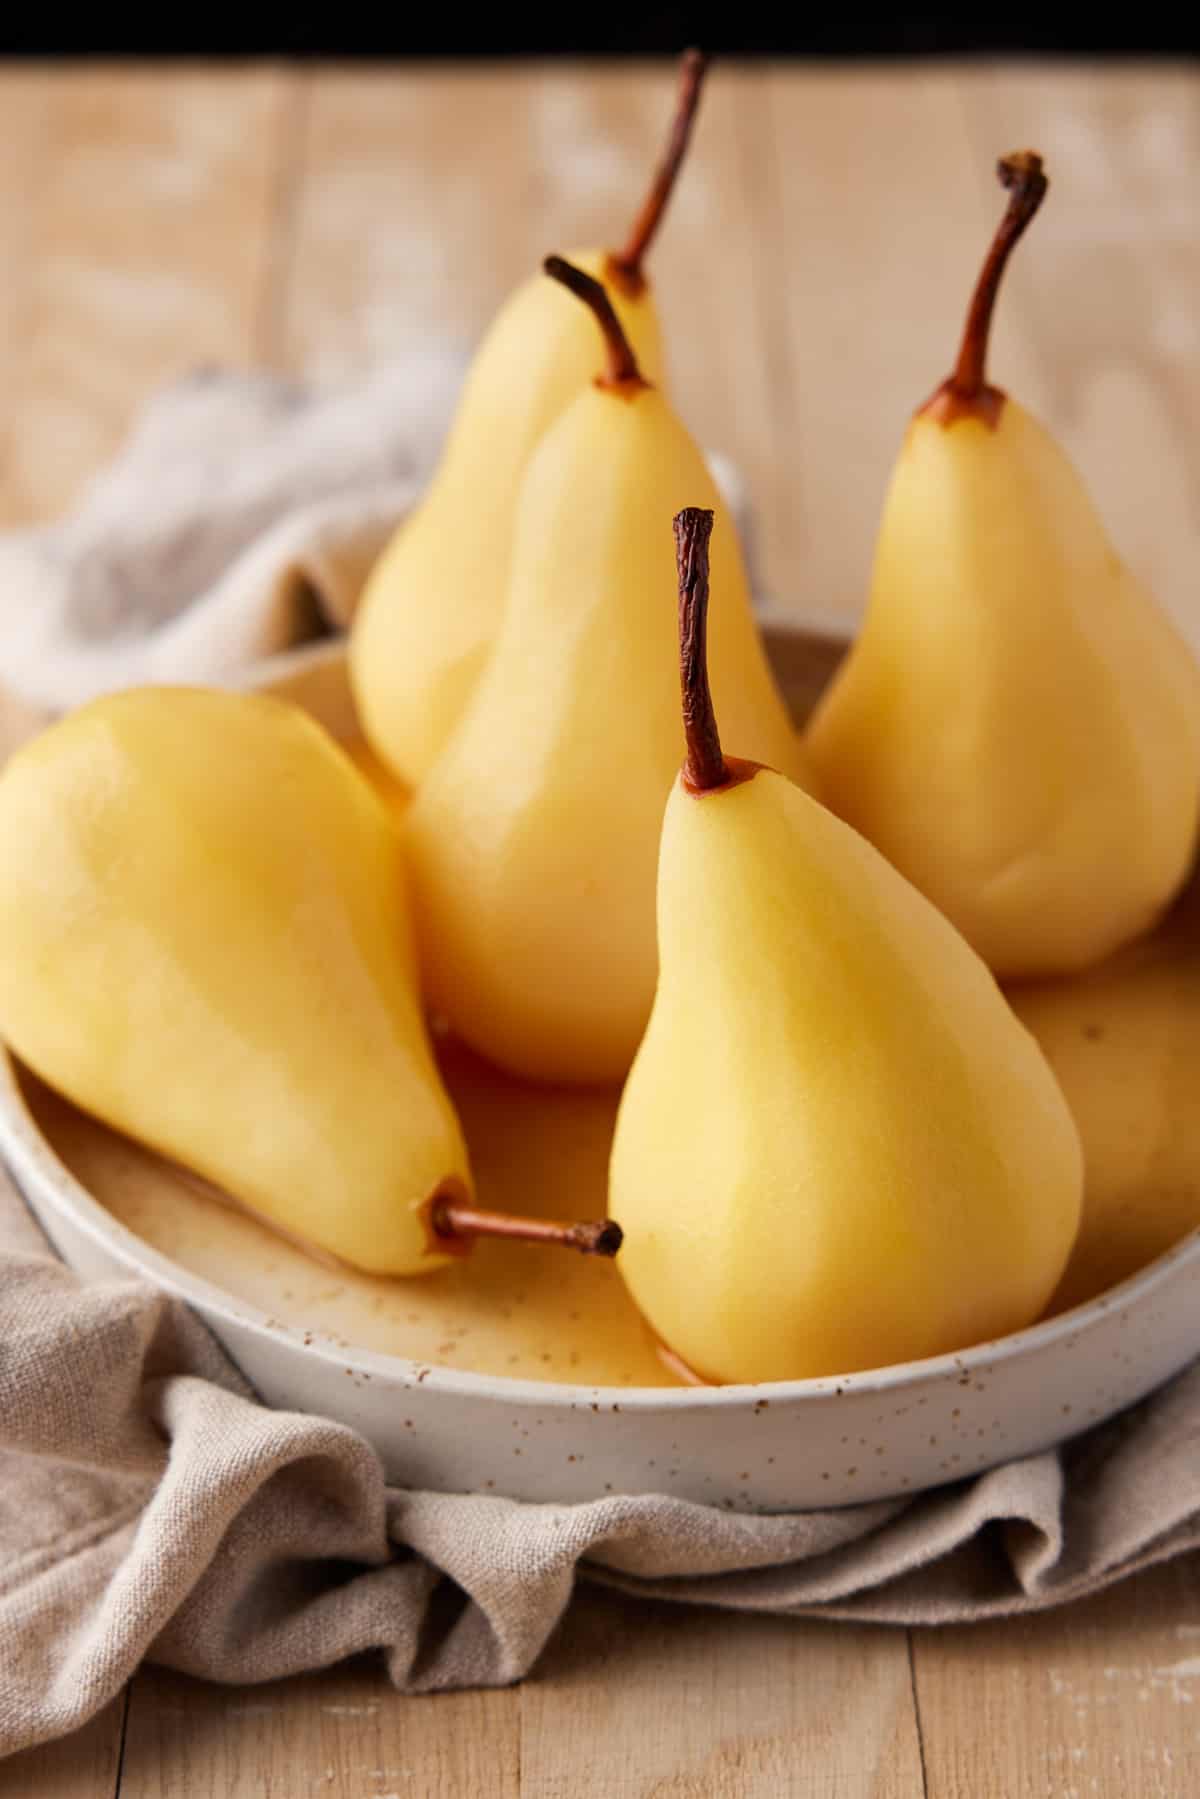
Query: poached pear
{"x": 434, "y": 600}
{"x": 837, "y": 1147}
{"x": 1017, "y": 727}
{"x": 205, "y": 942}
{"x": 534, "y": 837}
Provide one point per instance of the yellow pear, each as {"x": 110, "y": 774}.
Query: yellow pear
{"x": 434, "y": 601}
{"x": 534, "y": 837}
{"x": 1018, "y": 726}
{"x": 205, "y": 942}
{"x": 837, "y": 1147}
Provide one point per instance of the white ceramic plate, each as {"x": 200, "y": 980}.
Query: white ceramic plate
{"x": 779, "y": 1446}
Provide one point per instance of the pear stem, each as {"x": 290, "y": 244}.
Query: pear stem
{"x": 1022, "y": 174}
{"x": 461, "y": 1224}
{"x": 705, "y": 766}
{"x": 626, "y": 265}
{"x": 622, "y": 370}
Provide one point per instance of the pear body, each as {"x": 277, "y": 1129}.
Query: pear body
{"x": 534, "y": 839}
{"x": 1018, "y": 726}
{"x": 837, "y": 1148}
{"x": 204, "y": 941}
{"x": 433, "y": 602}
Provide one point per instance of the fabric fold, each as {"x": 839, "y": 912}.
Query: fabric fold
{"x": 152, "y": 1507}
{"x": 149, "y": 1506}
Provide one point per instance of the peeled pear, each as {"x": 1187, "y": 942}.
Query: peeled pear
{"x": 533, "y": 840}
{"x": 837, "y": 1148}
{"x": 1017, "y": 727}
{"x": 205, "y": 942}
{"x": 434, "y": 600}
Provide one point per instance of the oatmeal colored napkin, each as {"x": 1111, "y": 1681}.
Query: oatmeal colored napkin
{"x": 148, "y": 1505}
{"x": 240, "y": 518}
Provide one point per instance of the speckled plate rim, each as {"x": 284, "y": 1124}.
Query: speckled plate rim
{"x": 34, "y": 1164}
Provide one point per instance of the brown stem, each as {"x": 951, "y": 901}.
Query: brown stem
{"x": 705, "y": 765}
{"x": 967, "y": 390}
{"x": 625, "y": 266}
{"x": 455, "y": 1224}
{"x": 622, "y": 371}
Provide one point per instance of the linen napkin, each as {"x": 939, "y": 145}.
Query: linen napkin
{"x": 149, "y": 1506}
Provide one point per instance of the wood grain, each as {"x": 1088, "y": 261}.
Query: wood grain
{"x": 876, "y": 213}
{"x": 24, "y": 114}
{"x": 1099, "y": 331}
{"x": 82, "y": 1766}
{"x": 144, "y": 238}
{"x": 342, "y": 1735}
{"x": 813, "y": 277}
{"x": 427, "y": 194}
{"x": 647, "y": 1701}
{"x": 1098, "y": 1700}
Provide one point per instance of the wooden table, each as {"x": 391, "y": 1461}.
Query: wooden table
{"x": 813, "y": 275}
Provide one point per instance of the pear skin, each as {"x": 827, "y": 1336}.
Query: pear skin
{"x": 837, "y": 1148}
{"x": 205, "y": 942}
{"x": 433, "y": 603}
{"x": 534, "y": 839}
{"x": 1017, "y": 727}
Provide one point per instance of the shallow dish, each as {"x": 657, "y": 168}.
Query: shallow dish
{"x": 586, "y": 1408}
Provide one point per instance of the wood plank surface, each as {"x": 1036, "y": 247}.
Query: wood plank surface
{"x": 879, "y": 233}
{"x": 23, "y": 113}
{"x": 1099, "y": 332}
{"x": 1099, "y": 1700}
{"x": 653, "y": 1701}
{"x": 813, "y": 277}
{"x": 85, "y": 1765}
{"x": 342, "y": 1733}
{"x": 143, "y": 230}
